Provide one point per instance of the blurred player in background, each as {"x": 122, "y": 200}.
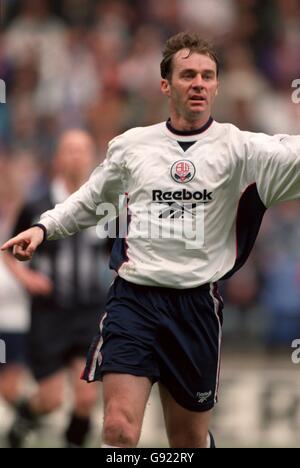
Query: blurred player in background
{"x": 163, "y": 317}
{"x": 14, "y": 325}
{"x": 68, "y": 282}
{"x": 14, "y": 313}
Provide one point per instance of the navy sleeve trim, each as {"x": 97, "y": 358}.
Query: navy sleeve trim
{"x": 41, "y": 226}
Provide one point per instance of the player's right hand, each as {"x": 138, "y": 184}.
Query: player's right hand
{"x": 25, "y": 244}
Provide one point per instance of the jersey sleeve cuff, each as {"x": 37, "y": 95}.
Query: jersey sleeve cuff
{"x": 41, "y": 226}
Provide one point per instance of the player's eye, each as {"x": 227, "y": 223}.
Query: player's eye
{"x": 208, "y": 76}
{"x": 188, "y": 75}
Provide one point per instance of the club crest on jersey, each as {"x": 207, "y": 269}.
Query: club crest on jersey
{"x": 183, "y": 171}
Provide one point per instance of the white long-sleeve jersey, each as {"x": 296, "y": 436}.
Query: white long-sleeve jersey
{"x": 218, "y": 188}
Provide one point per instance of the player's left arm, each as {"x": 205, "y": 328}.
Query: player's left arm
{"x": 274, "y": 164}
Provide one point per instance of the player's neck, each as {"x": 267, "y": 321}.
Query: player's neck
{"x": 181, "y": 124}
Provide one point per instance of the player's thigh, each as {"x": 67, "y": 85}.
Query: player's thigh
{"x": 85, "y": 395}
{"x": 185, "y": 428}
{"x": 125, "y": 398}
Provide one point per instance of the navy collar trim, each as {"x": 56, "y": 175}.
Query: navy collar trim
{"x": 191, "y": 132}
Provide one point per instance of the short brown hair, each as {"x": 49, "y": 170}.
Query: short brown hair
{"x": 185, "y": 40}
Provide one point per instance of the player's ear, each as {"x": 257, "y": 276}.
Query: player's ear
{"x": 165, "y": 87}
{"x": 217, "y": 90}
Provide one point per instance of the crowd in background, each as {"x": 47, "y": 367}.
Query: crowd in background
{"x": 94, "y": 64}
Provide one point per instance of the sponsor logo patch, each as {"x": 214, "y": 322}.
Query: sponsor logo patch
{"x": 203, "y": 397}
{"x": 205, "y": 196}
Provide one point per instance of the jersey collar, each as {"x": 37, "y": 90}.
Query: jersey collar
{"x": 188, "y": 135}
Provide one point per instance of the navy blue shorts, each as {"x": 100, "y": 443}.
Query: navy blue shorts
{"x": 16, "y": 349}
{"x": 168, "y": 335}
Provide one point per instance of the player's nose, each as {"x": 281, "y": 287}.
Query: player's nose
{"x": 198, "y": 82}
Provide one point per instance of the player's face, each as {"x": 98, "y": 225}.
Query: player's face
{"x": 193, "y": 86}
{"x": 76, "y": 155}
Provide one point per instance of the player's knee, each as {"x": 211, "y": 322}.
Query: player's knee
{"x": 51, "y": 402}
{"x": 9, "y": 386}
{"x": 9, "y": 394}
{"x": 85, "y": 401}
{"x": 119, "y": 431}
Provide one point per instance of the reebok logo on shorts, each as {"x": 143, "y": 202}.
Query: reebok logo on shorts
{"x": 203, "y": 397}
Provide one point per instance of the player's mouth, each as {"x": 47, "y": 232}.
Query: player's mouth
{"x": 197, "y": 99}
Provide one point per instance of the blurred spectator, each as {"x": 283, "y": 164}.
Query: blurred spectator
{"x": 279, "y": 262}
{"x": 242, "y": 87}
{"x": 285, "y": 114}
{"x": 213, "y": 17}
{"x": 139, "y": 72}
{"x": 165, "y": 15}
{"x": 14, "y": 315}
{"x": 35, "y": 31}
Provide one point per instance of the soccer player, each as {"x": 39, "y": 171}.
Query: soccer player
{"x": 163, "y": 317}
{"x": 68, "y": 284}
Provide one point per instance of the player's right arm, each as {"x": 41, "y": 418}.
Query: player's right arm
{"x": 25, "y": 244}
{"x": 79, "y": 211}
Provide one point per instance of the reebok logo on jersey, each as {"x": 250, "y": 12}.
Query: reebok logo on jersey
{"x": 177, "y": 211}
{"x": 183, "y": 171}
{"x": 158, "y": 196}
